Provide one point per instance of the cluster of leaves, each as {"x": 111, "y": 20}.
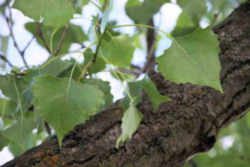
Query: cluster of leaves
{"x": 62, "y": 94}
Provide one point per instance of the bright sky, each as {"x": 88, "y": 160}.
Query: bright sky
{"x": 35, "y": 55}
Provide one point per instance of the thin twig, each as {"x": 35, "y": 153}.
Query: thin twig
{"x": 28, "y": 44}
{"x": 47, "y": 128}
{"x": 59, "y": 46}
{"x": 150, "y": 59}
{"x": 40, "y": 34}
{"x": 97, "y": 49}
{"x": 10, "y": 24}
{"x": 2, "y": 57}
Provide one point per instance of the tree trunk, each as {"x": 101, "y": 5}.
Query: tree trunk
{"x": 179, "y": 129}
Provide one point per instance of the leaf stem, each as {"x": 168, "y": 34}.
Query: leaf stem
{"x": 117, "y": 76}
{"x": 144, "y": 26}
{"x": 52, "y": 59}
{"x": 59, "y": 46}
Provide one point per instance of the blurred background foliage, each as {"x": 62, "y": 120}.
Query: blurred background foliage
{"x": 232, "y": 148}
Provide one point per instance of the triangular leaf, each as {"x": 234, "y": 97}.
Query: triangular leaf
{"x": 64, "y": 103}
{"x": 193, "y": 58}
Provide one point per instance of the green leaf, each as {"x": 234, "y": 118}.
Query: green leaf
{"x": 118, "y": 51}
{"x": 56, "y": 67}
{"x": 122, "y": 75}
{"x": 155, "y": 97}
{"x": 220, "y": 10}
{"x": 69, "y": 103}
{"x": 98, "y": 66}
{"x": 3, "y": 141}
{"x": 104, "y": 87}
{"x": 193, "y": 58}
{"x": 84, "y": 2}
{"x": 135, "y": 88}
{"x": 8, "y": 86}
{"x": 130, "y": 123}
{"x": 53, "y": 36}
{"x": 55, "y": 13}
{"x": 19, "y": 135}
{"x": 221, "y": 5}
{"x": 142, "y": 12}
{"x": 184, "y": 25}
{"x": 194, "y": 8}
{"x": 7, "y": 106}
{"x": 17, "y": 88}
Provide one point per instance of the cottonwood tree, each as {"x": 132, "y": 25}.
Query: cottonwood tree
{"x": 174, "y": 106}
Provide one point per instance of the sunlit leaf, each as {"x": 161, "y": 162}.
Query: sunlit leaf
{"x": 184, "y": 25}
{"x": 53, "y": 12}
{"x": 194, "y": 8}
{"x": 192, "y": 58}
{"x": 142, "y": 12}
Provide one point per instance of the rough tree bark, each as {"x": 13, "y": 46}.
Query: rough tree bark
{"x": 180, "y": 128}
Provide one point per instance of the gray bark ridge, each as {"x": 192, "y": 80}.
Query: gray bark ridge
{"x": 180, "y": 128}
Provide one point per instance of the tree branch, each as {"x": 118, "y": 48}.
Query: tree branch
{"x": 150, "y": 59}
{"x": 2, "y": 57}
{"x": 179, "y": 129}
